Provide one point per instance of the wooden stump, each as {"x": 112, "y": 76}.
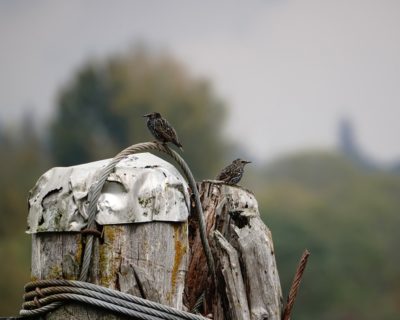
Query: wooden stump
{"x": 248, "y": 285}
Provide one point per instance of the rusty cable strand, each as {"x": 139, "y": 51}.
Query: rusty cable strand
{"x": 295, "y": 285}
{"x": 95, "y": 191}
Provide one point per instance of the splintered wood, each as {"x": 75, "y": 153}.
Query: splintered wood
{"x": 248, "y": 285}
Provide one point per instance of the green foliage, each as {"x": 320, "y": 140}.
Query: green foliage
{"x": 102, "y": 110}
{"x": 348, "y": 218}
{"x": 21, "y": 162}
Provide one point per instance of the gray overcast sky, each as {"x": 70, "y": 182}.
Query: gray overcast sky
{"x": 287, "y": 68}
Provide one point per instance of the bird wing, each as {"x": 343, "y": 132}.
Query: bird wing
{"x": 166, "y": 130}
{"x": 225, "y": 173}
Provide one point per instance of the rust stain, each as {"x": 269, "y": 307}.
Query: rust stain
{"x": 107, "y": 260}
{"x": 110, "y": 233}
{"x": 104, "y": 272}
{"x": 55, "y": 272}
{"x": 180, "y": 251}
{"x": 78, "y": 253}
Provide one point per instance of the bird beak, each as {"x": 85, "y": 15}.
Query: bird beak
{"x": 246, "y": 161}
{"x": 147, "y": 115}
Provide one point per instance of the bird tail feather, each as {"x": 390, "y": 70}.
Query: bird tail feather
{"x": 179, "y": 145}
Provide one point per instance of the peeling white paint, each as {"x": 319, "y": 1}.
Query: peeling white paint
{"x": 142, "y": 188}
{"x": 236, "y": 199}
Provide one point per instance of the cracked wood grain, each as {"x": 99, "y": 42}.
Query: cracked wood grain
{"x": 147, "y": 259}
{"x": 248, "y": 285}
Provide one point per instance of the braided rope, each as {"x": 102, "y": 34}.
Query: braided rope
{"x": 295, "y": 285}
{"x": 95, "y": 191}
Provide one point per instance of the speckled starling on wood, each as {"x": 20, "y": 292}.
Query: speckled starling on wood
{"x": 161, "y": 129}
{"x": 234, "y": 172}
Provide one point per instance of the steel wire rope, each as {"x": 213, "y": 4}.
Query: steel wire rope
{"x": 95, "y": 191}
{"x": 98, "y": 303}
{"x": 68, "y": 293}
{"x": 48, "y": 287}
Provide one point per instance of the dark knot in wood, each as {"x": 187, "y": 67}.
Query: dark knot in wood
{"x": 240, "y": 220}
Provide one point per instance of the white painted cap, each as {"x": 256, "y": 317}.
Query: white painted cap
{"x": 142, "y": 188}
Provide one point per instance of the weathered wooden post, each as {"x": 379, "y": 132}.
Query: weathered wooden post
{"x": 248, "y": 285}
{"x": 143, "y": 250}
{"x": 145, "y": 246}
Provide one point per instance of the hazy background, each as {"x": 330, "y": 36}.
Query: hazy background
{"x": 308, "y": 90}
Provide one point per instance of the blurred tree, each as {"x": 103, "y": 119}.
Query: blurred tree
{"x": 22, "y": 161}
{"x": 347, "y": 216}
{"x": 100, "y": 111}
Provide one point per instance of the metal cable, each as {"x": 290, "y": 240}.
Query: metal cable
{"x": 50, "y": 294}
{"x": 70, "y": 293}
{"x": 48, "y": 285}
{"x": 199, "y": 209}
{"x": 98, "y": 303}
{"x": 56, "y": 292}
{"x": 95, "y": 191}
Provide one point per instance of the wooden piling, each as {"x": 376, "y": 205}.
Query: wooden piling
{"x": 143, "y": 249}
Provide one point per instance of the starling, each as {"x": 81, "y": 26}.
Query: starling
{"x": 161, "y": 129}
{"x": 234, "y": 172}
